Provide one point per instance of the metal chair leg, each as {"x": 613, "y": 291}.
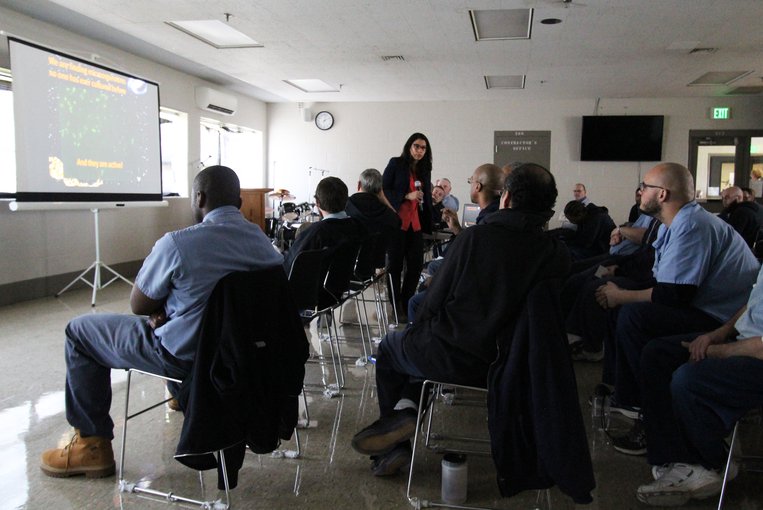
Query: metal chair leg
{"x": 728, "y": 465}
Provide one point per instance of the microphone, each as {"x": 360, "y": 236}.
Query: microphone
{"x": 417, "y": 185}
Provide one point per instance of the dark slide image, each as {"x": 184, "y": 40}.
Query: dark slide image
{"x": 83, "y": 132}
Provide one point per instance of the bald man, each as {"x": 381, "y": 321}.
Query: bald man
{"x": 168, "y": 300}
{"x": 485, "y": 184}
{"x": 745, "y": 217}
{"x": 703, "y": 272}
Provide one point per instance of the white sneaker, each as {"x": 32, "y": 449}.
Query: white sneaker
{"x": 679, "y": 484}
{"x": 659, "y": 470}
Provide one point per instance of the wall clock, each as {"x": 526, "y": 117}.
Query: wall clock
{"x": 324, "y": 120}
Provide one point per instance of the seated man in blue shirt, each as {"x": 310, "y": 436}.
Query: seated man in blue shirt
{"x": 172, "y": 289}
{"x": 694, "y": 388}
{"x": 704, "y": 272}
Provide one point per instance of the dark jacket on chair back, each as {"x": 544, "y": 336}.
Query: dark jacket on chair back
{"x": 537, "y": 435}
{"x": 247, "y": 374}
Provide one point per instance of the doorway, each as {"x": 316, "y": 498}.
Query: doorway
{"x": 719, "y": 159}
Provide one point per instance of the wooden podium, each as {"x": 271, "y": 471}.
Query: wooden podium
{"x": 253, "y": 202}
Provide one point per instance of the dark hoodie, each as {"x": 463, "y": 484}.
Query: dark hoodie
{"x": 746, "y": 218}
{"x": 374, "y": 215}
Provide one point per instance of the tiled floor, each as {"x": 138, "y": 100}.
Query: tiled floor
{"x": 329, "y": 475}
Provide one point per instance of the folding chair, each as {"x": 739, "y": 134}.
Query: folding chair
{"x": 319, "y": 289}
{"x": 533, "y": 349}
{"x": 734, "y": 452}
{"x": 370, "y": 257}
{"x": 243, "y": 387}
{"x": 431, "y": 392}
{"x": 135, "y": 487}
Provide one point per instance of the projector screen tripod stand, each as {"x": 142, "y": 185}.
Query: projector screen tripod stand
{"x": 96, "y": 267}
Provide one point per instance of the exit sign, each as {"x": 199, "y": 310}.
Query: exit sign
{"x": 721, "y": 112}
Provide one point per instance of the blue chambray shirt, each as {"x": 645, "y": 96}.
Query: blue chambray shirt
{"x": 702, "y": 250}
{"x": 184, "y": 266}
{"x": 750, "y": 323}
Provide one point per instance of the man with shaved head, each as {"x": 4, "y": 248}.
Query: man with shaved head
{"x": 703, "y": 272}
{"x": 745, "y": 217}
{"x": 486, "y": 184}
{"x": 168, "y": 300}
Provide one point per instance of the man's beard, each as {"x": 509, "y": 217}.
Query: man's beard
{"x": 650, "y": 208}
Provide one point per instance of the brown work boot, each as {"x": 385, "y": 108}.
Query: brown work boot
{"x": 90, "y": 456}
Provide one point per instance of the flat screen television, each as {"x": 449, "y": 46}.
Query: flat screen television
{"x": 622, "y": 138}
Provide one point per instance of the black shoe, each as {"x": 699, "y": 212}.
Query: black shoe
{"x": 631, "y": 412}
{"x": 632, "y": 443}
{"x": 393, "y": 461}
{"x": 385, "y": 433}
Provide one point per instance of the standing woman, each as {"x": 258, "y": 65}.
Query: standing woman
{"x": 414, "y": 206}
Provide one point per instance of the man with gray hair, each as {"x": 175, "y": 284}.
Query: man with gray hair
{"x": 371, "y": 208}
{"x": 449, "y": 201}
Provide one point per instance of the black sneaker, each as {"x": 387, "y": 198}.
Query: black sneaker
{"x": 386, "y": 433}
{"x": 631, "y": 412}
{"x": 577, "y": 353}
{"x": 632, "y": 443}
{"x": 393, "y": 461}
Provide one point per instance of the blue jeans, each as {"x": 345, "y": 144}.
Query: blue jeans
{"x": 689, "y": 408}
{"x": 95, "y": 344}
{"x": 396, "y": 375}
{"x": 639, "y": 324}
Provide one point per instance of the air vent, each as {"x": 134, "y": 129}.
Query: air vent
{"x": 516, "y": 81}
{"x": 393, "y": 58}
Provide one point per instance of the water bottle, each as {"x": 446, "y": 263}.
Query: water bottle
{"x": 454, "y": 478}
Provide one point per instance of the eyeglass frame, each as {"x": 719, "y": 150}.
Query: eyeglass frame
{"x": 642, "y": 186}
{"x": 419, "y": 147}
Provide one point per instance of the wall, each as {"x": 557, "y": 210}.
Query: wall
{"x": 39, "y": 250}
{"x": 461, "y": 136}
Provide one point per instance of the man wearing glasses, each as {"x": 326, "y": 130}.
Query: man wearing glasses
{"x": 704, "y": 272}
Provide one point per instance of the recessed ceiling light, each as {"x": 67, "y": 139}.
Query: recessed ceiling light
{"x": 550, "y": 21}
{"x": 215, "y": 33}
{"x": 312, "y": 85}
{"x": 500, "y": 24}
{"x": 516, "y": 81}
{"x": 719, "y": 77}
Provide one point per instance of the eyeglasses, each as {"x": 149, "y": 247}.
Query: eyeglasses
{"x": 642, "y": 186}
{"x": 472, "y": 180}
{"x": 419, "y": 147}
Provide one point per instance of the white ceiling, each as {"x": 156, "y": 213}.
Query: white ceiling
{"x": 602, "y": 48}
